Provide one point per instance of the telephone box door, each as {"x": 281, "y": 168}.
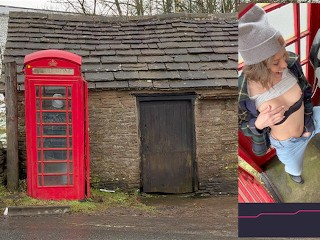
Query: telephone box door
{"x": 57, "y": 172}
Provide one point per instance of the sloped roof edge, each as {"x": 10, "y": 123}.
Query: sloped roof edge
{"x": 110, "y": 19}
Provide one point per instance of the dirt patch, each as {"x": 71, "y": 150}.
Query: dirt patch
{"x": 193, "y": 206}
{"x": 172, "y": 205}
{"x": 215, "y": 213}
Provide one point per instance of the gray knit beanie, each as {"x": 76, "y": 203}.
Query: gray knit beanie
{"x": 258, "y": 40}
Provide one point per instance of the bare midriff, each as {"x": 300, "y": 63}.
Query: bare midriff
{"x": 294, "y": 124}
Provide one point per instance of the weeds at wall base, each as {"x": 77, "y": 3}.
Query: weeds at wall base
{"x": 98, "y": 203}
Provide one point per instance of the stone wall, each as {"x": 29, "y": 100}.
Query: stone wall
{"x": 217, "y": 144}
{"x": 22, "y": 137}
{"x": 114, "y": 140}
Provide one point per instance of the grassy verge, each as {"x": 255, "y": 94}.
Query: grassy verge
{"x": 98, "y": 203}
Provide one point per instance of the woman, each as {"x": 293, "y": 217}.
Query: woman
{"x": 275, "y": 105}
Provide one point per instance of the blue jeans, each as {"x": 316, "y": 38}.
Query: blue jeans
{"x": 291, "y": 151}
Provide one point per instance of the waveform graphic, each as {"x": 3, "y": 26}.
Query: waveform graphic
{"x": 281, "y": 214}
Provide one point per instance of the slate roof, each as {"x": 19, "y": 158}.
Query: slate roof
{"x": 161, "y": 52}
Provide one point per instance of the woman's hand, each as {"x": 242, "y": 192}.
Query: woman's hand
{"x": 268, "y": 117}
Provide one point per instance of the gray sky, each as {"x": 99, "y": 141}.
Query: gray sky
{"x": 39, "y": 4}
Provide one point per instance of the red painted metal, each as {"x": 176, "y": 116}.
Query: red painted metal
{"x": 56, "y": 126}
{"x": 240, "y": 66}
{"x": 250, "y": 190}
{"x": 308, "y": 37}
{"x": 246, "y": 153}
{"x": 242, "y": 153}
{"x": 71, "y": 57}
{"x": 87, "y": 143}
{"x": 273, "y": 6}
{"x": 246, "y": 9}
{"x": 296, "y": 23}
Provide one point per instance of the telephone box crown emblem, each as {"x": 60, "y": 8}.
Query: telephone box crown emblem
{"x": 52, "y": 63}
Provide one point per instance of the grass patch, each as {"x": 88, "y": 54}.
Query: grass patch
{"x": 3, "y": 191}
{"x": 3, "y": 130}
{"x": 97, "y": 203}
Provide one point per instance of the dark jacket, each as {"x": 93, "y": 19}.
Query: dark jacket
{"x": 248, "y": 113}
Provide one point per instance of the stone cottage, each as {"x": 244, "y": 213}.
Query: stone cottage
{"x": 162, "y": 95}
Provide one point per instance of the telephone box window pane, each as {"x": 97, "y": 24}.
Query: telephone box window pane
{"x": 40, "y": 181}
{"x": 291, "y": 48}
{"x": 39, "y": 142}
{"x": 303, "y": 17}
{"x": 38, "y": 117}
{"x": 70, "y": 155}
{"x": 55, "y": 180}
{"x": 56, "y": 130}
{"x": 54, "y": 142}
{"x": 38, "y": 104}
{"x": 39, "y": 168}
{"x": 54, "y": 117}
{"x": 282, "y": 20}
{"x": 304, "y": 69}
{"x": 55, "y": 168}
{"x": 38, "y": 91}
{"x": 39, "y": 156}
{"x": 69, "y": 92}
{"x": 303, "y": 46}
{"x": 54, "y": 104}
{"x": 69, "y": 104}
{"x": 49, "y": 91}
{"x": 71, "y": 180}
{"x": 51, "y": 155}
{"x": 70, "y": 168}
{"x": 70, "y": 117}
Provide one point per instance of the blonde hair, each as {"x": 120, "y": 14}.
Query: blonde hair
{"x": 260, "y": 72}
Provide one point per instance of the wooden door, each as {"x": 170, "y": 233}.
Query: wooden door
{"x": 167, "y": 146}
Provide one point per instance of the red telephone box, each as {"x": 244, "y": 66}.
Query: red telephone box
{"x": 56, "y": 105}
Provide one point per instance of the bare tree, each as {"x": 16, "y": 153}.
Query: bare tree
{"x": 117, "y": 3}
{"x": 228, "y": 5}
{"x": 137, "y": 8}
{"x": 78, "y": 6}
{"x": 146, "y": 7}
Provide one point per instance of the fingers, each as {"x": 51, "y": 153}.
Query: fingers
{"x": 276, "y": 115}
{"x": 268, "y": 117}
{"x": 273, "y": 111}
{"x": 267, "y": 109}
{"x": 277, "y": 110}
